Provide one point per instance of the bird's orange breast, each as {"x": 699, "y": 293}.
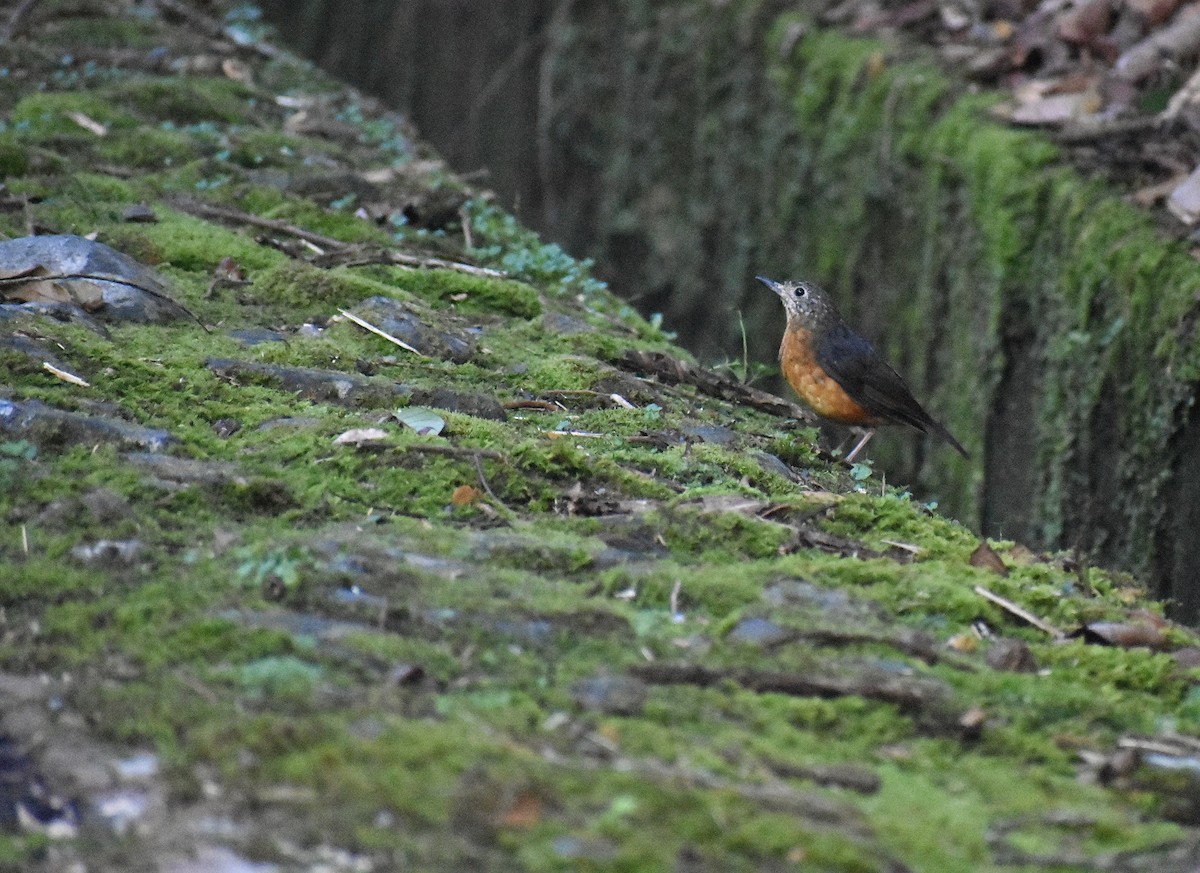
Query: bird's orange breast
{"x": 816, "y": 387}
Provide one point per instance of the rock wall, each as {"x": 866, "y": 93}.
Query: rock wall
{"x": 687, "y": 146}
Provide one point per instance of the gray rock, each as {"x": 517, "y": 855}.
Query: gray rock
{"x": 47, "y": 427}
{"x": 126, "y": 289}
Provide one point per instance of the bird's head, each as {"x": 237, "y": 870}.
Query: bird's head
{"x": 804, "y": 302}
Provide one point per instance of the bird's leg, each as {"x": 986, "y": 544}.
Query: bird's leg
{"x": 866, "y": 438}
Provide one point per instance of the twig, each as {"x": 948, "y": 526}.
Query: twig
{"x": 222, "y": 213}
{"x": 366, "y": 325}
{"x": 544, "y": 405}
{"x": 15, "y": 20}
{"x": 64, "y": 375}
{"x": 911, "y": 694}
{"x": 400, "y": 259}
{"x": 452, "y": 451}
{"x": 675, "y": 591}
{"x": 342, "y": 253}
{"x": 101, "y": 277}
{"x": 674, "y": 371}
{"x": 464, "y": 218}
{"x": 775, "y": 795}
{"x": 1188, "y": 94}
{"x": 1081, "y": 132}
{"x": 484, "y": 482}
{"x": 1032, "y": 619}
{"x": 615, "y": 399}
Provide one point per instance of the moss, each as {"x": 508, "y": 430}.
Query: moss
{"x": 324, "y": 617}
{"x": 185, "y": 99}
{"x": 148, "y": 148}
{"x": 48, "y": 113}
{"x": 473, "y": 293}
{"x": 194, "y": 245}
{"x": 14, "y": 161}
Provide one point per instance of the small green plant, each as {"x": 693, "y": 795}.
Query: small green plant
{"x": 278, "y": 567}
{"x": 521, "y": 253}
{"x": 861, "y": 471}
{"x": 13, "y": 455}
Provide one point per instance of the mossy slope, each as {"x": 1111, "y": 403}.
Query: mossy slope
{"x": 473, "y": 648}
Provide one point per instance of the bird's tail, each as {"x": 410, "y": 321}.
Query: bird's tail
{"x": 939, "y": 431}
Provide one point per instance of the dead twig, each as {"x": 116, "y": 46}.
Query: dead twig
{"x": 332, "y": 252}
{"x": 1080, "y": 132}
{"x": 775, "y": 795}
{"x": 910, "y": 694}
{"x": 452, "y": 451}
{"x": 400, "y": 259}
{"x": 64, "y": 375}
{"x": 237, "y": 216}
{"x": 366, "y": 325}
{"x": 674, "y": 371}
{"x": 1020, "y": 613}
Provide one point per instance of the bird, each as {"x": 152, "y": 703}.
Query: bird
{"x": 838, "y": 373}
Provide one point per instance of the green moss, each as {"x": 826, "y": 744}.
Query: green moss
{"x": 47, "y": 113}
{"x": 473, "y": 293}
{"x": 322, "y": 621}
{"x": 185, "y": 99}
{"x": 14, "y": 160}
{"x": 295, "y": 284}
{"x": 148, "y": 148}
{"x": 197, "y": 246}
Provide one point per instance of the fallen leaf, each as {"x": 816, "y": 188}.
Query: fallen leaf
{"x": 1126, "y": 635}
{"x": 360, "y": 436}
{"x": 525, "y": 812}
{"x": 1086, "y": 23}
{"x": 972, "y": 720}
{"x": 237, "y": 71}
{"x": 965, "y": 643}
{"x": 1184, "y": 201}
{"x": 1056, "y": 108}
{"x": 39, "y": 286}
{"x": 229, "y": 270}
{"x": 424, "y": 421}
{"x": 465, "y": 495}
{"x": 985, "y": 558}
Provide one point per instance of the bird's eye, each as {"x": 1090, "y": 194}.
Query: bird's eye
{"x": 801, "y": 292}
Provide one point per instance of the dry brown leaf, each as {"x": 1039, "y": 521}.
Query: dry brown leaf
{"x": 1126, "y": 635}
{"x": 22, "y": 273}
{"x": 465, "y": 495}
{"x": 50, "y": 290}
{"x": 525, "y": 812}
{"x": 985, "y": 558}
{"x": 1085, "y": 24}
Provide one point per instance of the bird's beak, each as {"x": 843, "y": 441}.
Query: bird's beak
{"x": 770, "y": 283}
